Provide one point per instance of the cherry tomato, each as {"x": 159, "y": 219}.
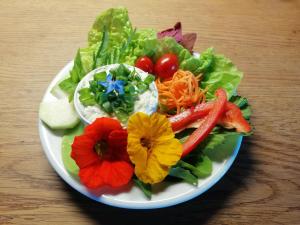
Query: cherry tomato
{"x": 145, "y": 64}
{"x": 166, "y": 66}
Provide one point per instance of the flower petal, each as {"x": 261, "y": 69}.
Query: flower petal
{"x": 83, "y": 151}
{"x": 139, "y": 125}
{"x": 103, "y": 83}
{"x": 153, "y": 173}
{"x": 101, "y": 128}
{"x": 168, "y": 153}
{"x": 162, "y": 127}
{"x": 110, "y": 88}
{"x": 116, "y": 173}
{"x": 137, "y": 153}
{"x": 109, "y": 78}
{"x": 91, "y": 176}
{"x": 117, "y": 141}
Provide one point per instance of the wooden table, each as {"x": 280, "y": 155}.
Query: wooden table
{"x": 37, "y": 38}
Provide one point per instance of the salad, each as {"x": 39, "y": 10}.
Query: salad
{"x": 196, "y": 107}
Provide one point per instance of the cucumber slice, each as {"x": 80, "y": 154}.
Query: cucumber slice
{"x": 59, "y": 114}
{"x": 66, "y": 149}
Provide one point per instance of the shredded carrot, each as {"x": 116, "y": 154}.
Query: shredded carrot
{"x": 181, "y": 92}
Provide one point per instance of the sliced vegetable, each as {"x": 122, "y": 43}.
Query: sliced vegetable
{"x": 233, "y": 118}
{"x": 58, "y": 114}
{"x": 66, "y": 142}
{"x": 243, "y": 104}
{"x": 166, "y": 66}
{"x": 206, "y": 127}
{"x": 182, "y": 120}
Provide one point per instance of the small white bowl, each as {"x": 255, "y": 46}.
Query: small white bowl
{"x": 148, "y": 100}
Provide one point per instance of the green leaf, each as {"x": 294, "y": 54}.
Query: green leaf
{"x": 149, "y": 79}
{"x": 106, "y": 106}
{"x": 212, "y": 141}
{"x": 184, "y": 174}
{"x": 86, "y": 97}
{"x": 87, "y": 60}
{"x": 246, "y": 111}
{"x": 66, "y": 149}
{"x": 145, "y": 188}
{"x": 219, "y": 72}
{"x": 204, "y": 166}
{"x": 206, "y": 59}
{"x": 120, "y": 72}
{"x": 192, "y": 64}
{"x": 183, "y": 135}
{"x": 200, "y": 165}
{"x": 101, "y": 54}
{"x": 100, "y": 76}
{"x": 77, "y": 72}
{"x": 68, "y": 86}
{"x": 117, "y": 24}
{"x": 219, "y": 146}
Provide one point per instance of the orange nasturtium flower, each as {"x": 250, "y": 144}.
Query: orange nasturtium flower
{"x": 152, "y": 146}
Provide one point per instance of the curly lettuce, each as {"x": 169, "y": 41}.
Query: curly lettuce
{"x": 219, "y": 72}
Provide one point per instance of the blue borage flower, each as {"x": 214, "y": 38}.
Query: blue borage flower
{"x": 112, "y": 85}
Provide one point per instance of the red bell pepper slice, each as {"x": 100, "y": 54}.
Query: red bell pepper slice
{"x": 182, "y": 120}
{"x": 209, "y": 123}
{"x": 233, "y": 118}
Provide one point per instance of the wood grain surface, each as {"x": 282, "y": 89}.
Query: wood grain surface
{"x": 262, "y": 37}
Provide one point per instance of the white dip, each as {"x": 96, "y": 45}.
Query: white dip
{"x": 146, "y": 103}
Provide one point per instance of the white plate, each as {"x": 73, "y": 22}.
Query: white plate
{"x": 165, "y": 194}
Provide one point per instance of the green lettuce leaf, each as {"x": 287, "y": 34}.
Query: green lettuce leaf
{"x": 116, "y": 22}
{"x": 219, "y": 72}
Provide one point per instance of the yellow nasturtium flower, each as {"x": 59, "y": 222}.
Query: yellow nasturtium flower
{"x": 152, "y": 146}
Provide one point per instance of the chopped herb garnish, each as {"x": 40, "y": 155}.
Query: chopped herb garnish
{"x": 115, "y": 92}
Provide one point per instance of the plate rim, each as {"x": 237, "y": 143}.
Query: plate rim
{"x": 62, "y": 172}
